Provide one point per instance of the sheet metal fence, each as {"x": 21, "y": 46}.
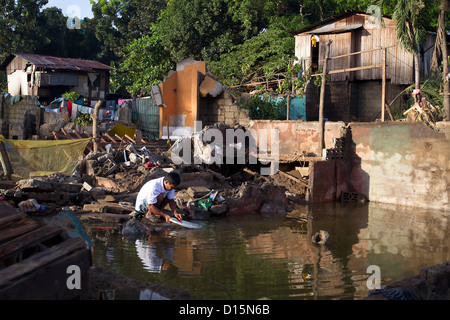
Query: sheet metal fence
{"x": 146, "y": 116}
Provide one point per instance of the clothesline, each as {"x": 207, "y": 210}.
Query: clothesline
{"x": 109, "y": 112}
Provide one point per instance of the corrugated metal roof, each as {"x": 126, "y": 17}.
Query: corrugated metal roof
{"x": 57, "y": 63}
{"x": 331, "y": 28}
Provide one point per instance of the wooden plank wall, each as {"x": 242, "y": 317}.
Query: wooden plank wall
{"x": 400, "y": 63}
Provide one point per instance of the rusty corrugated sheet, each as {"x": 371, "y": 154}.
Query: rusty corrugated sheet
{"x": 57, "y": 63}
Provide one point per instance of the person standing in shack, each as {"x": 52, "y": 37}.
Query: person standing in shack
{"x": 155, "y": 195}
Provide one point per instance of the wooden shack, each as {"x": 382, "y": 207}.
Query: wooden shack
{"x": 49, "y": 77}
{"x": 363, "y": 46}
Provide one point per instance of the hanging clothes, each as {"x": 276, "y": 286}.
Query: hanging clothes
{"x": 69, "y": 108}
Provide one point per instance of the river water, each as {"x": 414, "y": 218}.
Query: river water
{"x": 257, "y": 257}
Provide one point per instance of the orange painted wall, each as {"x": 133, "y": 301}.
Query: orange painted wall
{"x": 180, "y": 95}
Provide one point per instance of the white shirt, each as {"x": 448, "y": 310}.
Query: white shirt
{"x": 149, "y": 193}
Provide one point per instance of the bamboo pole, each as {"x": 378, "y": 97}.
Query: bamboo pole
{"x": 322, "y": 97}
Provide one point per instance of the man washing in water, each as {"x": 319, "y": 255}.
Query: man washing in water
{"x": 155, "y": 195}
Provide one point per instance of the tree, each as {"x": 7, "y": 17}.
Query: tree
{"x": 410, "y": 27}
{"x": 19, "y": 31}
{"x": 263, "y": 55}
{"x": 118, "y": 22}
{"x": 145, "y": 65}
{"x": 440, "y": 53}
{"x": 19, "y": 25}
{"x": 200, "y": 29}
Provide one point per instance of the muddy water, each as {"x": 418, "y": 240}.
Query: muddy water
{"x": 254, "y": 257}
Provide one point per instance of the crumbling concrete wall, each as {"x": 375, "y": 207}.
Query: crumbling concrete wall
{"x": 22, "y": 118}
{"x": 405, "y": 163}
{"x": 222, "y": 109}
{"x": 299, "y": 138}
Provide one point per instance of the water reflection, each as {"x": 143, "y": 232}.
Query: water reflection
{"x": 252, "y": 256}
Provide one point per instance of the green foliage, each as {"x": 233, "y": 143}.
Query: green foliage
{"x": 145, "y": 65}
{"x": 119, "y": 22}
{"x": 263, "y": 55}
{"x": 240, "y": 40}
{"x": 410, "y": 24}
{"x": 19, "y": 27}
{"x": 294, "y": 83}
{"x": 71, "y": 96}
{"x": 197, "y": 29}
{"x": 83, "y": 119}
{"x": 264, "y": 108}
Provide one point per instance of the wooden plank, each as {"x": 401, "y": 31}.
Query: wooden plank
{"x": 44, "y": 275}
{"x": 350, "y": 69}
{"x": 109, "y": 137}
{"x": 322, "y": 97}
{"x": 65, "y": 133}
{"x": 129, "y": 138}
{"x": 28, "y": 240}
{"x": 40, "y": 260}
{"x": 287, "y": 175}
{"x": 80, "y": 137}
{"x": 14, "y": 229}
{"x": 353, "y": 53}
{"x": 119, "y": 137}
{"x": 8, "y": 214}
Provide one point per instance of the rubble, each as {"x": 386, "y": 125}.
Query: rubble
{"x": 104, "y": 185}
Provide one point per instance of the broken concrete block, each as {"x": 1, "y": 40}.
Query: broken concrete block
{"x": 210, "y": 87}
{"x": 34, "y": 184}
{"x": 197, "y": 191}
{"x": 67, "y": 187}
{"x": 105, "y": 182}
{"x": 87, "y": 186}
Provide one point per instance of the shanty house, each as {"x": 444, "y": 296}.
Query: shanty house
{"x": 363, "y": 47}
{"x": 49, "y": 77}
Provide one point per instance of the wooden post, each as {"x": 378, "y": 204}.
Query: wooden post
{"x": 95, "y": 124}
{"x": 168, "y": 135}
{"x": 322, "y": 97}
{"x": 383, "y": 84}
{"x": 288, "y": 101}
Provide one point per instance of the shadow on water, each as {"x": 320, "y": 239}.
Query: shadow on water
{"x": 253, "y": 256}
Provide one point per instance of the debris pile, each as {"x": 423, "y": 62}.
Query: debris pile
{"x": 104, "y": 184}
{"x": 423, "y": 110}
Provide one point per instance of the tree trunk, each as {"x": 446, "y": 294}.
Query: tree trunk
{"x": 416, "y": 56}
{"x": 417, "y": 71}
{"x": 444, "y": 6}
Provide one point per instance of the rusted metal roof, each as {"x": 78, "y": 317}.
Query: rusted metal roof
{"x": 57, "y": 63}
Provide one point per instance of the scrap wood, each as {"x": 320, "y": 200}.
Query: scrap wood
{"x": 255, "y": 174}
{"x": 293, "y": 178}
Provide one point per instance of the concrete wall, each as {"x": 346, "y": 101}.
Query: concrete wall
{"x": 404, "y": 163}
{"x": 180, "y": 96}
{"x": 298, "y": 138}
{"x": 22, "y": 119}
